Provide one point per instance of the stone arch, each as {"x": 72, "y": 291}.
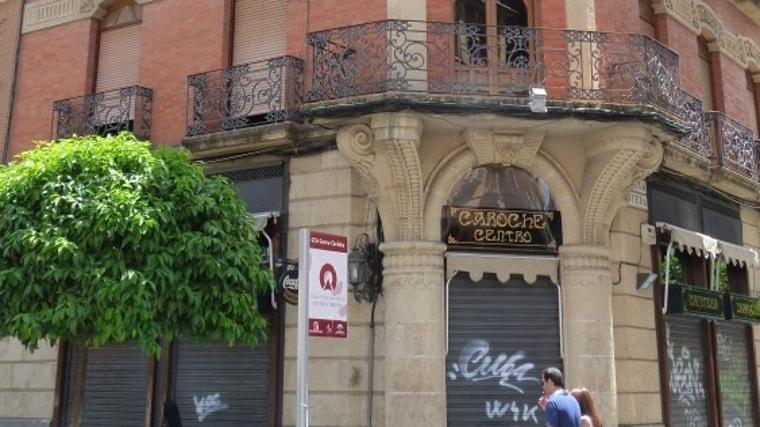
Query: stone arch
{"x": 708, "y": 24}
{"x": 461, "y": 160}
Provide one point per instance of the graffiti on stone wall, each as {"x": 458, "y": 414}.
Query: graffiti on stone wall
{"x": 686, "y": 382}
{"x": 207, "y": 405}
{"x": 512, "y": 372}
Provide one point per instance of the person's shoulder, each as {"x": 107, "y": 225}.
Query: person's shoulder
{"x": 563, "y": 396}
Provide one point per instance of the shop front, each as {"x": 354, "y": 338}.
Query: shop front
{"x": 502, "y": 231}
{"x": 706, "y": 351}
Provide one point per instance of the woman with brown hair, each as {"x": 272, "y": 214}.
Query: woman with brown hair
{"x": 588, "y": 411}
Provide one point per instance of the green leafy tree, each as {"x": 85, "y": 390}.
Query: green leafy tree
{"x": 103, "y": 239}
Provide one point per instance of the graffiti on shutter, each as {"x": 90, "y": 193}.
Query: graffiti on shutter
{"x": 501, "y": 337}
{"x": 733, "y": 373}
{"x": 686, "y": 372}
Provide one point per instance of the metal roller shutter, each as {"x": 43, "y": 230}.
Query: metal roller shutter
{"x": 119, "y": 58}
{"x": 260, "y": 30}
{"x": 115, "y": 386}
{"x": 732, "y": 354}
{"x": 72, "y": 356}
{"x": 687, "y": 372}
{"x": 222, "y": 386}
{"x": 501, "y": 337}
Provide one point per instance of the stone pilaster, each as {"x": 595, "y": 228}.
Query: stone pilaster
{"x": 415, "y": 386}
{"x": 587, "y": 325}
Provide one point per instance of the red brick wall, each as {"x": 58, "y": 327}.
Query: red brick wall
{"x": 10, "y": 11}
{"x": 54, "y": 63}
{"x": 315, "y": 15}
{"x": 684, "y": 42}
{"x": 730, "y": 90}
{"x": 735, "y": 94}
{"x": 619, "y": 16}
{"x": 734, "y": 20}
{"x": 180, "y": 37}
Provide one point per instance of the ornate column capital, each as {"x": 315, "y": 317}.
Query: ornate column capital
{"x": 384, "y": 150}
{"x": 616, "y": 158}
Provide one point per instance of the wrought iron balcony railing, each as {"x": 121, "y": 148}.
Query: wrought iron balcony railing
{"x": 245, "y": 95}
{"x": 104, "y": 113}
{"x": 734, "y": 144}
{"x": 721, "y": 140}
{"x": 458, "y": 58}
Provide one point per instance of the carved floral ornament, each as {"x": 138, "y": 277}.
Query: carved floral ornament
{"x": 504, "y": 148}
{"x": 702, "y": 19}
{"x": 50, "y": 13}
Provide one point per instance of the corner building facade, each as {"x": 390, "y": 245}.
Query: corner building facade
{"x": 521, "y": 165}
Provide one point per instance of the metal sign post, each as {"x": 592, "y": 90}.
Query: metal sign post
{"x": 302, "y": 370}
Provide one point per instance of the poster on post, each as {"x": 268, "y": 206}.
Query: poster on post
{"x": 328, "y": 285}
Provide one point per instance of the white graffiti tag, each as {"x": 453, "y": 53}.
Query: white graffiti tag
{"x": 475, "y": 364}
{"x": 207, "y": 405}
{"x": 724, "y": 347}
{"x": 496, "y": 409}
{"x": 686, "y": 382}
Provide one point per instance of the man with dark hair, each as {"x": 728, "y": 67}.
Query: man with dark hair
{"x": 561, "y": 408}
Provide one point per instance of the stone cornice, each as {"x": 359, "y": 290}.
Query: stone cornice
{"x": 702, "y": 20}
{"x": 51, "y": 13}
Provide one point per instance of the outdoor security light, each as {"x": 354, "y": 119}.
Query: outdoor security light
{"x": 537, "y": 99}
{"x": 645, "y": 281}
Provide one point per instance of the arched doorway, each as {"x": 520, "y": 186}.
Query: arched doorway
{"x": 503, "y": 230}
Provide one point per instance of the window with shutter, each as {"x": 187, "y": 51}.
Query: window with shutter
{"x": 259, "y": 30}
{"x": 119, "y": 51}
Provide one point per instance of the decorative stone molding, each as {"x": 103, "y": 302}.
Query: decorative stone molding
{"x": 385, "y": 153}
{"x": 399, "y": 137}
{"x": 637, "y": 195}
{"x": 702, "y": 19}
{"x": 357, "y": 142}
{"x": 50, "y": 13}
{"x": 619, "y": 156}
{"x": 584, "y": 257}
{"x": 410, "y": 258}
{"x": 494, "y": 147}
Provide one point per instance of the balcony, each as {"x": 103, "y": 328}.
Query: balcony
{"x": 721, "y": 141}
{"x": 244, "y": 96}
{"x": 430, "y": 62}
{"x": 104, "y": 113}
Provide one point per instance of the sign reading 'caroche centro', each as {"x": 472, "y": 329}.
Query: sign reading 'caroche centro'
{"x": 476, "y": 228}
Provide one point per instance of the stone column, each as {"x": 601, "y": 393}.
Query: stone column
{"x": 587, "y": 325}
{"x": 415, "y": 382}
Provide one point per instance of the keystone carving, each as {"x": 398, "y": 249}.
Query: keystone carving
{"x": 493, "y": 147}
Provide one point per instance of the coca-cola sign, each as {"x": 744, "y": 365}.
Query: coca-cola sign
{"x": 289, "y": 284}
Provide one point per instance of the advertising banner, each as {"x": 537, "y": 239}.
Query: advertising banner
{"x": 328, "y": 285}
